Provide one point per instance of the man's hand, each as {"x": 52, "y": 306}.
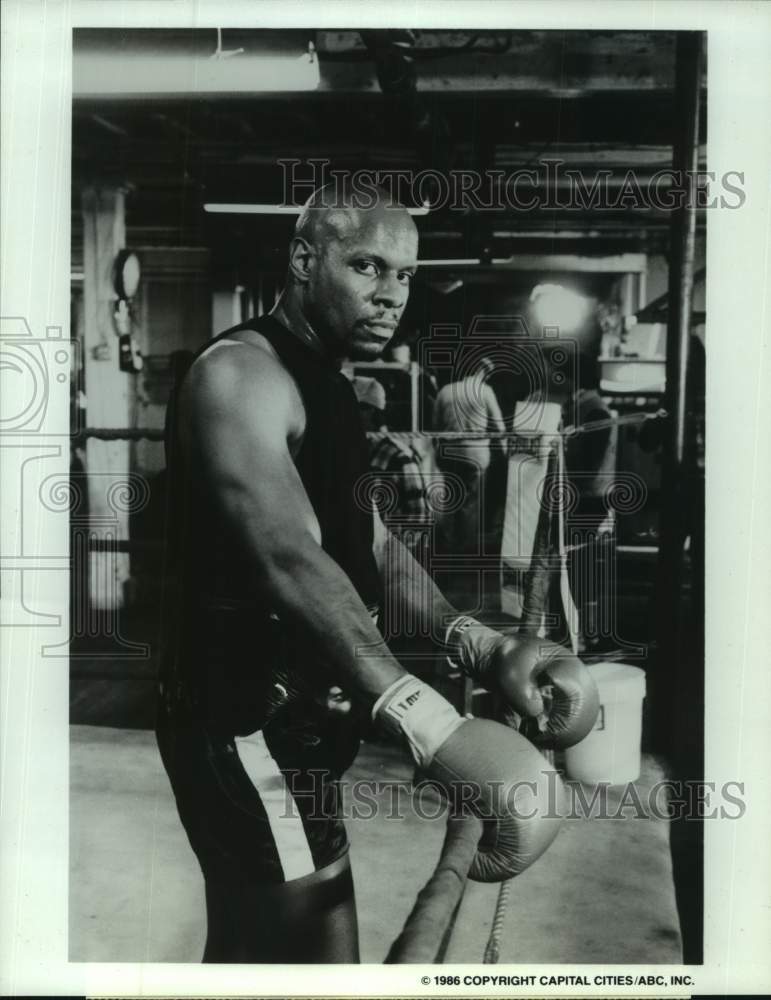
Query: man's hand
{"x": 536, "y": 679}
{"x": 287, "y": 686}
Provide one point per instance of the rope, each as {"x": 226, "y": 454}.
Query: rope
{"x": 427, "y": 931}
{"x": 568, "y": 605}
{"x": 157, "y": 434}
{"x": 120, "y": 434}
{"x": 572, "y": 430}
{"x": 493, "y": 948}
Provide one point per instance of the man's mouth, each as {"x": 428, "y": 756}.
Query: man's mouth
{"x": 381, "y": 324}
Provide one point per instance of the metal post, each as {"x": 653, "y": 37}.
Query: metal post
{"x": 683, "y": 237}
{"x": 679, "y": 677}
{"x": 674, "y": 486}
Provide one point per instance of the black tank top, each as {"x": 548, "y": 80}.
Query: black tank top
{"x": 225, "y": 640}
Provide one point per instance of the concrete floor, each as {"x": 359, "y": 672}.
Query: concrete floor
{"x": 602, "y": 894}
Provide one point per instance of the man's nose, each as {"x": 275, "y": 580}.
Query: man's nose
{"x": 390, "y": 292}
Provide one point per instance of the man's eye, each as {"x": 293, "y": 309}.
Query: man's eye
{"x": 405, "y": 277}
{"x": 366, "y": 267}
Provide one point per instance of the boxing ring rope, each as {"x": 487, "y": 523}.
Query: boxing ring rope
{"x": 119, "y": 434}
{"x": 493, "y": 947}
{"x": 157, "y": 434}
{"x": 427, "y": 931}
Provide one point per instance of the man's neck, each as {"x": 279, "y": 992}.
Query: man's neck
{"x": 288, "y": 313}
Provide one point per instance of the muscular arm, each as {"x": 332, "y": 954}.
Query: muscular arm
{"x": 240, "y": 408}
{"x": 408, "y": 587}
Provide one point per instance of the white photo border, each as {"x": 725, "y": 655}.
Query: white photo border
{"x": 34, "y": 690}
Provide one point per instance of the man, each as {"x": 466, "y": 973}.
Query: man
{"x": 398, "y": 462}
{"x": 278, "y": 570}
{"x": 468, "y": 405}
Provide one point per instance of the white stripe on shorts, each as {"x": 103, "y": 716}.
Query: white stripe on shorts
{"x": 283, "y": 815}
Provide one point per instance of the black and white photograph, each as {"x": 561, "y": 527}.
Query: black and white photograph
{"x": 382, "y": 583}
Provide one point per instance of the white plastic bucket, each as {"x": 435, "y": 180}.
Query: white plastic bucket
{"x": 611, "y": 751}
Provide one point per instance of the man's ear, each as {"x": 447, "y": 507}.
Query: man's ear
{"x": 301, "y": 259}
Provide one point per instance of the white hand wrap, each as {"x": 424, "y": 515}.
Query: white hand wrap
{"x": 415, "y": 710}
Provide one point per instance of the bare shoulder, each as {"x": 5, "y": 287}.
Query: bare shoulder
{"x": 233, "y": 365}
{"x": 245, "y": 382}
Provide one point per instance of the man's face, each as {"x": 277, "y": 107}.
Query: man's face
{"x": 361, "y": 282}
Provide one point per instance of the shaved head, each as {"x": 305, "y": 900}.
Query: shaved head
{"x": 339, "y": 213}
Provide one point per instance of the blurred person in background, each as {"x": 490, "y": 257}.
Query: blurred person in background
{"x": 468, "y": 406}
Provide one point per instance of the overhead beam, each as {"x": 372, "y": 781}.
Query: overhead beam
{"x": 120, "y": 63}
{"x": 622, "y": 263}
{"x": 563, "y": 64}
{"x": 124, "y": 64}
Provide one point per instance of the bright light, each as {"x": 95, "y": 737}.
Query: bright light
{"x": 224, "y": 208}
{"x": 221, "y": 208}
{"x": 559, "y": 307}
{"x": 448, "y": 261}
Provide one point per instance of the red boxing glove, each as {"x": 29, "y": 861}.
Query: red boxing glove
{"x": 538, "y": 680}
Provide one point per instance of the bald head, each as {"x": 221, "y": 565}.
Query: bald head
{"x": 337, "y": 212}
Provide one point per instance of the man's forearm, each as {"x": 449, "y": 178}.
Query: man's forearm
{"x": 311, "y": 591}
{"x": 410, "y": 592}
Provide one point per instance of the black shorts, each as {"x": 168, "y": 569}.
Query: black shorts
{"x": 264, "y": 806}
